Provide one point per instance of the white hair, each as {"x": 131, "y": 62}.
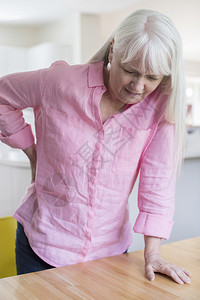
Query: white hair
{"x": 152, "y": 37}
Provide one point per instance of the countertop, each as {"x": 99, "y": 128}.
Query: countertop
{"x": 113, "y": 278}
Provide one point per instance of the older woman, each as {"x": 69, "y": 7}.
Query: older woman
{"x": 98, "y": 126}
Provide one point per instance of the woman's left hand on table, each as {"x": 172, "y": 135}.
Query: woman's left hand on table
{"x": 155, "y": 264}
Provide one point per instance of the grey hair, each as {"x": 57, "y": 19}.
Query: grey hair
{"x": 152, "y": 38}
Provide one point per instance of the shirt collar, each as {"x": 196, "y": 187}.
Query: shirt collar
{"x": 95, "y": 75}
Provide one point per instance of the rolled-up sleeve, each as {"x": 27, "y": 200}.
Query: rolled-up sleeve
{"x": 21, "y": 139}
{"x": 156, "y": 193}
{"x": 17, "y": 92}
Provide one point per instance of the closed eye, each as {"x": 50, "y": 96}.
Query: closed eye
{"x": 136, "y": 73}
{"x": 151, "y": 77}
{"x": 130, "y": 71}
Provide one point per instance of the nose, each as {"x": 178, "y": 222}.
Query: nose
{"x": 138, "y": 84}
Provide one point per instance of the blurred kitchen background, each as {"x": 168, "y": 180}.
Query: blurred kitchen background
{"x": 35, "y": 33}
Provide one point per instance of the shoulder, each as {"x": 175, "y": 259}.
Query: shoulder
{"x": 61, "y": 73}
{"x": 84, "y": 75}
{"x": 62, "y": 67}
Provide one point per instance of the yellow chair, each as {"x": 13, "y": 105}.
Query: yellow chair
{"x": 8, "y": 227}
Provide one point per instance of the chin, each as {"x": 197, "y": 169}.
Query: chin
{"x": 133, "y": 101}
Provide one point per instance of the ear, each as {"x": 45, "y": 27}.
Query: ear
{"x": 110, "y": 55}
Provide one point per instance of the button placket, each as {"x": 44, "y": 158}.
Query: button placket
{"x": 92, "y": 182}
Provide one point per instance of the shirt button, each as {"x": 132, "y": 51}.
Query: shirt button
{"x": 97, "y": 147}
{"x": 92, "y": 179}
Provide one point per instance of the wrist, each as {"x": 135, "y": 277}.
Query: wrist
{"x": 152, "y": 246}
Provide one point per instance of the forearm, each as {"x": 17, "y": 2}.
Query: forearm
{"x": 31, "y": 154}
{"x": 152, "y": 246}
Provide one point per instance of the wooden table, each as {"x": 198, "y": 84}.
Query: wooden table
{"x": 113, "y": 278}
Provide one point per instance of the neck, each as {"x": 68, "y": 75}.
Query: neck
{"x": 115, "y": 102}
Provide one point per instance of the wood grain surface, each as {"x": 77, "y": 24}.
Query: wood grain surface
{"x": 113, "y": 278}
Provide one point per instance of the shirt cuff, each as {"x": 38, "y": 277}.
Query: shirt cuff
{"x": 153, "y": 225}
{"x": 21, "y": 139}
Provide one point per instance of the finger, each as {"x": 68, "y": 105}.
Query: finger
{"x": 171, "y": 273}
{"x": 175, "y": 267}
{"x": 183, "y": 276}
{"x": 149, "y": 273}
{"x": 176, "y": 274}
{"x": 186, "y": 272}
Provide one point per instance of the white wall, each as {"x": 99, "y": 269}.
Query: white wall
{"x": 42, "y": 55}
{"x": 90, "y": 36}
{"x": 19, "y": 59}
{"x": 39, "y": 46}
{"x": 14, "y": 180}
{"x": 13, "y": 59}
{"x": 18, "y": 36}
{"x": 65, "y": 32}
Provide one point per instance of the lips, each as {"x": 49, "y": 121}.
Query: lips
{"x": 133, "y": 93}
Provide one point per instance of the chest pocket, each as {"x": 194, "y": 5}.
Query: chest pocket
{"x": 129, "y": 148}
{"x": 63, "y": 135}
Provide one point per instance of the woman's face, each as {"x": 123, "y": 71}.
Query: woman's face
{"x": 127, "y": 83}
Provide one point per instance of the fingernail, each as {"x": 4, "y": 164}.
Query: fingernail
{"x": 152, "y": 278}
{"x": 181, "y": 282}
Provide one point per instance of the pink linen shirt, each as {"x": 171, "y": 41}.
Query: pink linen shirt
{"x": 77, "y": 208}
